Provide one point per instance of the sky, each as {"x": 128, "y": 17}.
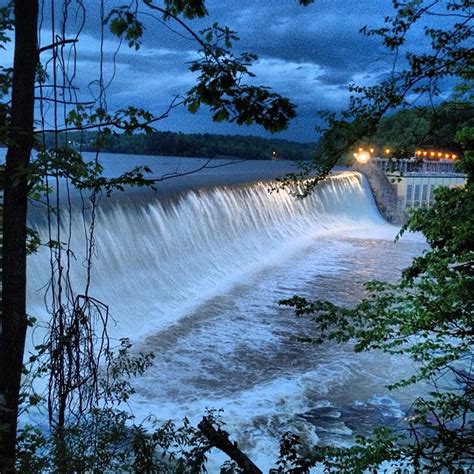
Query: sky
{"x": 308, "y": 54}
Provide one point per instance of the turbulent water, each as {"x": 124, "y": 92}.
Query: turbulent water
{"x": 196, "y": 279}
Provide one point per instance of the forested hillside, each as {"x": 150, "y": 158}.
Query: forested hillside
{"x": 402, "y": 132}
{"x": 196, "y": 145}
{"x": 410, "y": 129}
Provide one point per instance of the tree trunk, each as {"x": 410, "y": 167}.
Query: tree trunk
{"x": 220, "y": 439}
{"x": 13, "y": 316}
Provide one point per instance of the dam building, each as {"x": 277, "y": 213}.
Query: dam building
{"x": 400, "y": 184}
{"x": 413, "y": 179}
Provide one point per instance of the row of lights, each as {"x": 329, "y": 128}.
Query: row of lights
{"x": 363, "y": 156}
{"x": 436, "y": 154}
{"x": 387, "y": 151}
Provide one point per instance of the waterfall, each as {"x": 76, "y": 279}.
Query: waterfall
{"x": 158, "y": 259}
{"x": 196, "y": 278}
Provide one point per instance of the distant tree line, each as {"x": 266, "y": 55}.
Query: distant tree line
{"x": 402, "y": 132}
{"x": 193, "y": 145}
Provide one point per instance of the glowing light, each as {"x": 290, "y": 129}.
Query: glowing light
{"x": 363, "y": 157}
{"x": 439, "y": 154}
{"x": 387, "y": 151}
{"x": 372, "y": 150}
{"x": 361, "y": 149}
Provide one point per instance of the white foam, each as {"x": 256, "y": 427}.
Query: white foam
{"x": 201, "y": 276}
{"x": 159, "y": 261}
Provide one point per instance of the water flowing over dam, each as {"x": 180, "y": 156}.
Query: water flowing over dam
{"x": 196, "y": 278}
{"x": 166, "y": 256}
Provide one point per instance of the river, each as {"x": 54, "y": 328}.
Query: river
{"x": 194, "y": 273}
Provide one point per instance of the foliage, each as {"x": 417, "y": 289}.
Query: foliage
{"x": 111, "y": 440}
{"x": 293, "y": 458}
{"x": 221, "y": 81}
{"x": 220, "y": 86}
{"x": 88, "y": 431}
{"x": 465, "y": 138}
{"x": 108, "y": 438}
{"x": 424, "y": 127}
{"x": 444, "y": 57}
{"x": 427, "y": 316}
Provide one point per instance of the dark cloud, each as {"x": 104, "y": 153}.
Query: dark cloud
{"x": 308, "y": 54}
{"x": 326, "y": 33}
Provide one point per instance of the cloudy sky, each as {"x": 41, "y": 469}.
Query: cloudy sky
{"x": 309, "y": 54}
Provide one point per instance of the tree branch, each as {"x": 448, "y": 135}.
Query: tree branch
{"x": 57, "y": 43}
{"x": 220, "y": 439}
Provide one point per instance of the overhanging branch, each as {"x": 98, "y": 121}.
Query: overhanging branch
{"x": 56, "y": 44}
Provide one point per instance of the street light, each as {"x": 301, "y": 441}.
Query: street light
{"x": 362, "y": 157}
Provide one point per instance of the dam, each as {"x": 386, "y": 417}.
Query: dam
{"x": 196, "y": 278}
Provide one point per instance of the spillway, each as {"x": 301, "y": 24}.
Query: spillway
{"x": 196, "y": 278}
{"x": 156, "y": 259}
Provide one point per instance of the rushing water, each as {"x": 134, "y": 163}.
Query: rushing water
{"x": 196, "y": 279}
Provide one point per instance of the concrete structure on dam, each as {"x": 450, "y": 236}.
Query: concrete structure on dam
{"x": 405, "y": 183}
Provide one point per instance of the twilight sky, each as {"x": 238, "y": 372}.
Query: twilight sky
{"x": 309, "y": 54}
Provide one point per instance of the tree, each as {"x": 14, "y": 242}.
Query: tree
{"x": 20, "y": 136}
{"x": 412, "y": 129}
{"x": 417, "y": 78}
{"x": 220, "y": 86}
{"x": 428, "y": 314}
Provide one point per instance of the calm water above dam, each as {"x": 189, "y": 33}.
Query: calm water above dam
{"x": 196, "y": 278}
